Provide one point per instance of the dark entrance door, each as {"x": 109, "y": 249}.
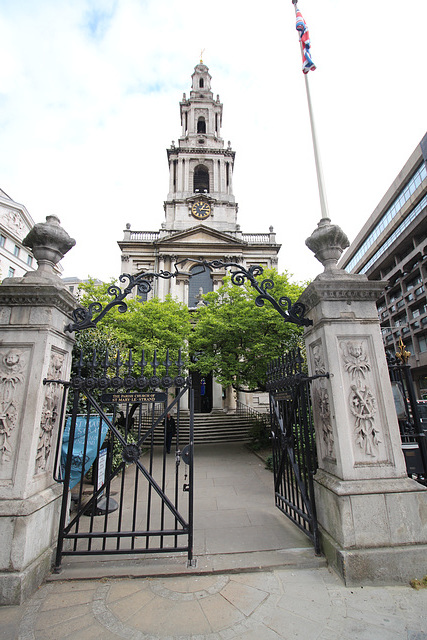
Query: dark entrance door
{"x": 202, "y": 386}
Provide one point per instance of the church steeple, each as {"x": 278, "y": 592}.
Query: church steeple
{"x": 200, "y": 168}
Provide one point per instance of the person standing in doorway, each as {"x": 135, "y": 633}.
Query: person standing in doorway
{"x": 170, "y": 431}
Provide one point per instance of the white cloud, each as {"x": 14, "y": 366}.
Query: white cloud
{"x": 89, "y": 102}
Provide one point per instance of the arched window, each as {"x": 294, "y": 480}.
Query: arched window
{"x": 201, "y": 125}
{"x": 201, "y": 179}
{"x": 199, "y": 281}
{"x": 201, "y": 83}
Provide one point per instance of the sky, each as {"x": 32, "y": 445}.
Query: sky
{"x": 89, "y": 103}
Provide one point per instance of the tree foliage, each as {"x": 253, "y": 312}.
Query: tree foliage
{"x": 235, "y": 339}
{"x": 152, "y": 325}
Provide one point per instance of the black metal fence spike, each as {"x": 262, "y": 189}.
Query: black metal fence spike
{"x": 143, "y": 362}
{"x": 155, "y": 362}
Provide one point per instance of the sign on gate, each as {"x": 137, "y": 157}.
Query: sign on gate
{"x": 122, "y": 398}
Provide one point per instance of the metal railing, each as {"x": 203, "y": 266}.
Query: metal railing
{"x": 252, "y": 414}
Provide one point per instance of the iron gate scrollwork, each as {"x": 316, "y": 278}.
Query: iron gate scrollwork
{"x": 128, "y": 495}
{"x": 293, "y": 442}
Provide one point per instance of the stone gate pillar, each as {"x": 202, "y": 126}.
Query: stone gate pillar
{"x": 33, "y": 313}
{"x": 372, "y": 517}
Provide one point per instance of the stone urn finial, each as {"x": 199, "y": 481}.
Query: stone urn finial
{"x": 49, "y": 243}
{"x": 327, "y": 242}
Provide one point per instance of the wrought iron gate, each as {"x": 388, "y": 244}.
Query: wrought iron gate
{"x": 412, "y": 434}
{"x": 293, "y": 443}
{"x": 129, "y": 495}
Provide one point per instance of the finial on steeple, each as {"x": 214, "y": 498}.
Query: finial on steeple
{"x": 201, "y": 56}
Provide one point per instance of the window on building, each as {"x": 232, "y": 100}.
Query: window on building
{"x": 11, "y": 272}
{"x": 16, "y": 251}
{"x": 400, "y": 321}
{"x": 201, "y": 83}
{"x": 201, "y": 179}
{"x": 201, "y": 125}
{"x": 2, "y": 240}
{"x": 199, "y": 281}
{"x": 389, "y": 215}
{"x": 413, "y": 283}
{"x": 422, "y": 343}
{"x": 395, "y": 294}
{"x": 30, "y": 261}
{"x": 419, "y": 291}
{"x": 408, "y": 346}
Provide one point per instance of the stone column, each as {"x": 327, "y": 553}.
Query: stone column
{"x": 216, "y": 395}
{"x": 33, "y": 313}
{"x": 161, "y": 281}
{"x": 372, "y": 517}
{"x": 180, "y": 178}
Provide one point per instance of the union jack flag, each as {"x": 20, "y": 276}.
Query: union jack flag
{"x": 304, "y": 37}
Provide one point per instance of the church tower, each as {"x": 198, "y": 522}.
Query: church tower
{"x": 200, "y": 211}
{"x": 200, "y": 168}
{"x": 200, "y": 222}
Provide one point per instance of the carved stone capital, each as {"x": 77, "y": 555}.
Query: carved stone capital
{"x": 22, "y": 293}
{"x": 340, "y": 285}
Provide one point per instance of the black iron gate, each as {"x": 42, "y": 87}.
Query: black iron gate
{"x": 412, "y": 434}
{"x": 293, "y": 443}
{"x": 116, "y": 435}
{"x": 127, "y": 465}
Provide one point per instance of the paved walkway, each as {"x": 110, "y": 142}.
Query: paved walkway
{"x": 309, "y": 604}
{"x": 256, "y": 579}
{"x": 236, "y": 524}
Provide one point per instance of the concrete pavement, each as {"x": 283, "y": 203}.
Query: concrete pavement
{"x": 256, "y": 578}
{"x": 268, "y": 605}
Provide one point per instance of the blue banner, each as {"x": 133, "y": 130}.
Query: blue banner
{"x": 93, "y": 424}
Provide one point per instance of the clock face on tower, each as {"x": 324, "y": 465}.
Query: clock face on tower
{"x": 201, "y": 210}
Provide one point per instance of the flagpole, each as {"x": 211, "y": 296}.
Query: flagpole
{"x": 318, "y": 162}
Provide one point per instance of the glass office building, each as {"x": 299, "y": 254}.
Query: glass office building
{"x": 392, "y": 246}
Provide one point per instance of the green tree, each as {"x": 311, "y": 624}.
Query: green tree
{"x": 235, "y": 339}
{"x": 152, "y": 325}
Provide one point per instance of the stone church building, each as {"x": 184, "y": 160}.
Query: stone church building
{"x": 200, "y": 219}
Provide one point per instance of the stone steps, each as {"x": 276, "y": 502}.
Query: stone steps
{"x": 212, "y": 428}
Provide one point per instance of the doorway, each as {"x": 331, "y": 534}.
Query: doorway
{"x": 202, "y": 386}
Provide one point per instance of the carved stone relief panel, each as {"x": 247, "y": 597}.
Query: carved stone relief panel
{"x": 13, "y": 220}
{"x": 361, "y": 399}
{"x": 321, "y": 403}
{"x": 50, "y": 411}
{"x": 13, "y": 368}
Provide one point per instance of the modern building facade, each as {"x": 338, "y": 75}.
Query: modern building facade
{"x": 392, "y": 246}
{"x": 15, "y": 223}
{"x": 200, "y": 211}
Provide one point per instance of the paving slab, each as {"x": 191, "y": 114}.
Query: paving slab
{"x": 267, "y": 605}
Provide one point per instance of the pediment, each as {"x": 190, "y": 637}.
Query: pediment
{"x": 14, "y": 220}
{"x": 200, "y": 235}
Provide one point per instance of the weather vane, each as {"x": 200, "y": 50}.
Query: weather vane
{"x": 201, "y": 56}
